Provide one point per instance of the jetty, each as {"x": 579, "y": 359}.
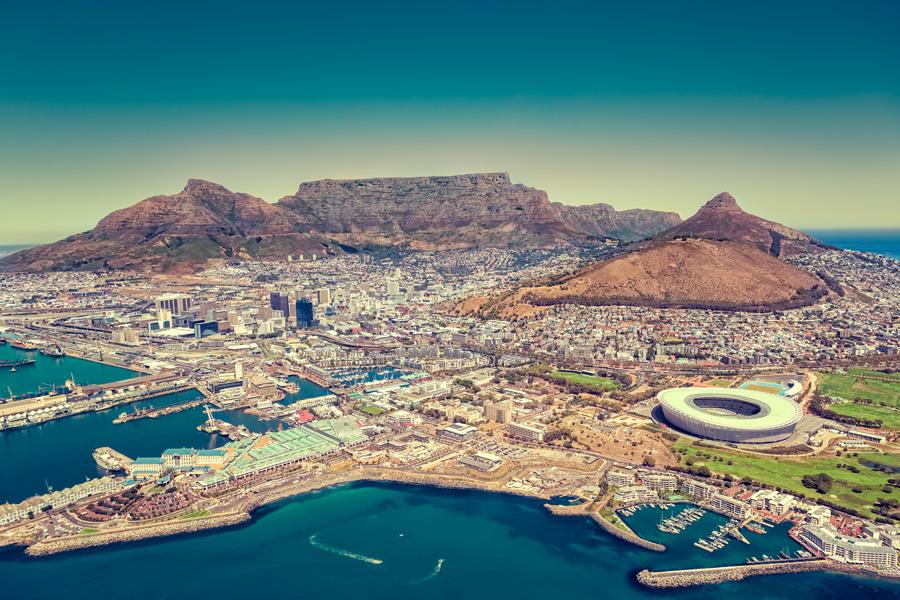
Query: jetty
{"x": 12, "y": 364}
{"x": 111, "y": 460}
{"x": 154, "y": 413}
{"x": 714, "y": 575}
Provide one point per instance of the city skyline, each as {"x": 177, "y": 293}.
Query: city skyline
{"x": 794, "y": 110}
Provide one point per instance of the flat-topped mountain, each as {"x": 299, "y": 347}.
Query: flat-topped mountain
{"x": 433, "y": 213}
{"x": 722, "y": 219}
{"x": 204, "y": 221}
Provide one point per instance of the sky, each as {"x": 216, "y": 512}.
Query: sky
{"x": 793, "y": 107}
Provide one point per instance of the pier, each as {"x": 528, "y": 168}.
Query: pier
{"x": 714, "y": 575}
{"x": 111, "y": 460}
{"x": 12, "y": 364}
{"x": 154, "y": 413}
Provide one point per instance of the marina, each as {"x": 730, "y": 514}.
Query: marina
{"x": 707, "y": 538}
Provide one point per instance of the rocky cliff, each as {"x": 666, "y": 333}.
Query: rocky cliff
{"x": 604, "y": 221}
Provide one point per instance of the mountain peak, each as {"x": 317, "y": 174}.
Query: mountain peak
{"x": 199, "y": 186}
{"x": 723, "y": 201}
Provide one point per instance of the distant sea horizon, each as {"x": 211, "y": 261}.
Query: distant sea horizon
{"x": 878, "y": 241}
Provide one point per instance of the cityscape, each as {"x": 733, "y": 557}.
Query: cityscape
{"x": 457, "y": 384}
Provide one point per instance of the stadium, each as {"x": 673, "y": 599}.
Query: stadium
{"x": 730, "y": 415}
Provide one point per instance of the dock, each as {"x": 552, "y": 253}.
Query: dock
{"x": 111, "y": 460}
{"x": 154, "y": 413}
{"x": 12, "y": 364}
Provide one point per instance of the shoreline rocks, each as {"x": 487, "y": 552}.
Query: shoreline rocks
{"x": 715, "y": 575}
{"x": 626, "y": 536}
{"x": 57, "y": 545}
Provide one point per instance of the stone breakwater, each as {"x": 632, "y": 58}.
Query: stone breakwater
{"x": 691, "y": 577}
{"x": 627, "y": 536}
{"x": 57, "y": 545}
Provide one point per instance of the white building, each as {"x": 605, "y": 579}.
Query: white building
{"x": 620, "y": 477}
{"x": 867, "y": 551}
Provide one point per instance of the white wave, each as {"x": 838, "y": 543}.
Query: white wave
{"x": 341, "y": 552}
{"x": 433, "y": 574}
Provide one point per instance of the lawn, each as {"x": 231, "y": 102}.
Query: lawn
{"x": 889, "y": 417}
{"x": 589, "y": 380}
{"x": 786, "y": 473}
{"x": 720, "y": 382}
{"x": 194, "y": 514}
{"x": 863, "y": 398}
{"x": 371, "y": 409}
{"x": 88, "y": 530}
{"x": 851, "y": 388}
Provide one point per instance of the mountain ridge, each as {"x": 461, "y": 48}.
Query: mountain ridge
{"x": 206, "y": 221}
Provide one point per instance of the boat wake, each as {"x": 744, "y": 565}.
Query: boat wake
{"x": 432, "y": 575}
{"x": 341, "y": 552}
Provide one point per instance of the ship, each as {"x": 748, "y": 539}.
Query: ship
{"x": 54, "y": 351}
{"x": 23, "y": 345}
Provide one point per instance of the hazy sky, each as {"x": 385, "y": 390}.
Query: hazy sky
{"x": 793, "y": 107}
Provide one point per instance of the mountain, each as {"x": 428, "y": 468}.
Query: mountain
{"x": 459, "y": 211}
{"x": 429, "y": 213}
{"x": 690, "y": 273}
{"x": 174, "y": 234}
{"x": 603, "y": 220}
{"x": 720, "y": 258}
{"x": 722, "y": 219}
{"x": 182, "y": 232}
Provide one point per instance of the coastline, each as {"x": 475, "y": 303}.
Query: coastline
{"x": 651, "y": 579}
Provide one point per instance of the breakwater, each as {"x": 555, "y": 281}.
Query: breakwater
{"x": 132, "y": 534}
{"x": 714, "y": 575}
{"x": 628, "y": 536}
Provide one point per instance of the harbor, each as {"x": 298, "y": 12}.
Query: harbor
{"x": 694, "y": 535}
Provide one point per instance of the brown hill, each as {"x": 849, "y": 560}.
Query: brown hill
{"x": 690, "y": 273}
{"x": 722, "y": 219}
{"x": 206, "y": 221}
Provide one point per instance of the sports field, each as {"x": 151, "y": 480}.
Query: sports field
{"x": 786, "y": 473}
{"x": 588, "y": 380}
{"x": 863, "y": 396}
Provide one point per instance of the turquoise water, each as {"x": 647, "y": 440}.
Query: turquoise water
{"x": 49, "y": 371}
{"x": 878, "y": 241}
{"x": 431, "y": 543}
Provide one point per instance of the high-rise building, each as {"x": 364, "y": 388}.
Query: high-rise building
{"x": 177, "y": 304}
{"x": 498, "y": 412}
{"x": 304, "y": 312}
{"x": 281, "y": 302}
{"x": 323, "y": 296}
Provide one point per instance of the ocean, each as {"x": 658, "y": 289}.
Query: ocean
{"x": 877, "y": 241}
{"x": 397, "y": 542}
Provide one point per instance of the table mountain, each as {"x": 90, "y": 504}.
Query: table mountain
{"x": 181, "y": 232}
